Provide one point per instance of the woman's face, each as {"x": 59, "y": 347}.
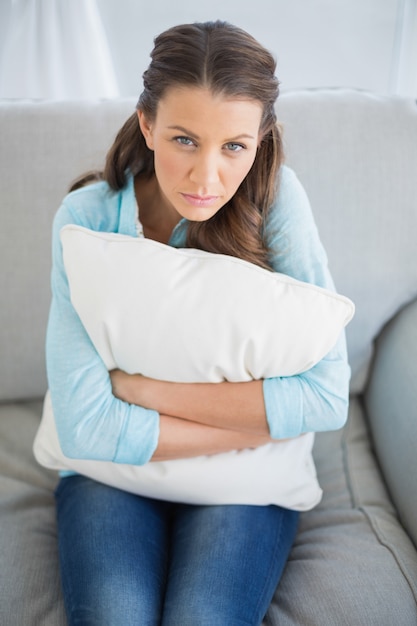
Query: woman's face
{"x": 204, "y": 145}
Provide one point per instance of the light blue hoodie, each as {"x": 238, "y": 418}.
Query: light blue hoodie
{"x": 92, "y": 423}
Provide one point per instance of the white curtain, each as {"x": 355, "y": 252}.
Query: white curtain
{"x": 56, "y": 49}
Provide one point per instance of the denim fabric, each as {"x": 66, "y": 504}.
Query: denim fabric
{"x": 130, "y": 560}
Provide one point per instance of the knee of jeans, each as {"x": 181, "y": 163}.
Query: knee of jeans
{"x": 204, "y": 614}
{"x": 116, "y": 615}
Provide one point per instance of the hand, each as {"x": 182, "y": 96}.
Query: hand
{"x": 122, "y": 385}
{"x": 136, "y": 389}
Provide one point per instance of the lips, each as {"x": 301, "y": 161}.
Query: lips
{"x": 200, "y": 201}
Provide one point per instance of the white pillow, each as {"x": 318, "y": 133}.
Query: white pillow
{"x": 193, "y": 316}
{"x": 228, "y": 320}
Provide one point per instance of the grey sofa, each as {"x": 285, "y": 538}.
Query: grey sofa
{"x": 354, "y": 562}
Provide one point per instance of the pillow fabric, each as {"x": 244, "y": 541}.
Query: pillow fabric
{"x": 228, "y": 320}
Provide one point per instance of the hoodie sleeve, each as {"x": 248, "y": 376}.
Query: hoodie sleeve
{"x": 316, "y": 400}
{"x": 91, "y": 422}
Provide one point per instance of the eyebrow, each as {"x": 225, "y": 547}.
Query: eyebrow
{"x": 194, "y": 136}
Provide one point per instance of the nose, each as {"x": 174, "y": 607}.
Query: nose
{"x": 205, "y": 172}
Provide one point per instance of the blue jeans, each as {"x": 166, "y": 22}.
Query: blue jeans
{"x": 126, "y": 559}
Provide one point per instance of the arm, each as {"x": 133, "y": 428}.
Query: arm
{"x": 91, "y": 422}
{"x": 284, "y": 406}
{"x": 316, "y": 400}
{"x": 183, "y": 439}
{"x": 230, "y": 406}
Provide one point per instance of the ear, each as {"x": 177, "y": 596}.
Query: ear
{"x": 146, "y": 128}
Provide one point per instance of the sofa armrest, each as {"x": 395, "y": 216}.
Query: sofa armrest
{"x": 391, "y": 402}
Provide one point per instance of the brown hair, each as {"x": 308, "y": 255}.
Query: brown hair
{"x": 227, "y": 61}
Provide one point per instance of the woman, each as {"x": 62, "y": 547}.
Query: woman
{"x": 199, "y": 165}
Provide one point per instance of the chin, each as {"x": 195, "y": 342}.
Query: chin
{"x": 199, "y": 214}
{"x": 193, "y": 216}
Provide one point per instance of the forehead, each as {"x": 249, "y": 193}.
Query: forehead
{"x": 199, "y": 107}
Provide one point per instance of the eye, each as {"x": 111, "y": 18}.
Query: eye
{"x": 234, "y": 147}
{"x": 184, "y": 141}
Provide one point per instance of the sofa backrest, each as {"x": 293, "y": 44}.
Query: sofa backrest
{"x": 44, "y": 146}
{"x": 355, "y": 153}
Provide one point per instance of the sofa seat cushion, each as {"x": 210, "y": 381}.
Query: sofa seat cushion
{"x": 29, "y": 580}
{"x": 327, "y": 581}
{"x": 391, "y": 401}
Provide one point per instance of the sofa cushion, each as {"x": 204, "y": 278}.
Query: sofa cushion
{"x": 354, "y": 152}
{"x": 356, "y": 155}
{"x": 29, "y": 574}
{"x": 43, "y": 147}
{"x": 391, "y": 401}
{"x": 352, "y": 563}
{"x": 228, "y": 320}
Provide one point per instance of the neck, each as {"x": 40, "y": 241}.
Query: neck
{"x": 158, "y": 218}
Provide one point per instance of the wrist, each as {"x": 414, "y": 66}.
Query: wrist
{"x": 146, "y": 392}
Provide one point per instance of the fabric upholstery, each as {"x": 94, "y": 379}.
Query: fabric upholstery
{"x": 351, "y": 542}
{"x": 366, "y": 145}
{"x": 354, "y": 561}
{"x": 372, "y": 174}
{"x": 29, "y": 581}
{"x": 391, "y": 401}
{"x": 44, "y": 146}
{"x": 300, "y": 322}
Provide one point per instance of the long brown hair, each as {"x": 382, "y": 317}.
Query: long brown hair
{"x": 230, "y": 62}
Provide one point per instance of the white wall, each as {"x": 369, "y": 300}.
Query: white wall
{"x": 366, "y": 44}
{"x": 358, "y": 43}
{"x": 404, "y": 74}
